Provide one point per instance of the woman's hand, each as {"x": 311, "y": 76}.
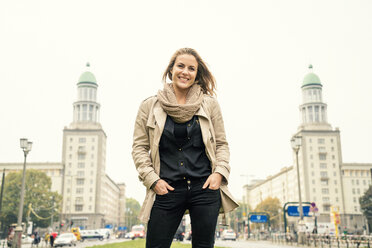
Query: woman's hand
{"x": 214, "y": 181}
{"x": 161, "y": 187}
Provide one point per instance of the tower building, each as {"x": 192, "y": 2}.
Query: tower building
{"x": 324, "y": 178}
{"x": 90, "y": 198}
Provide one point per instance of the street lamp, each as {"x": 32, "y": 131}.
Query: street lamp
{"x": 246, "y": 202}
{"x": 296, "y": 145}
{"x": 17, "y": 241}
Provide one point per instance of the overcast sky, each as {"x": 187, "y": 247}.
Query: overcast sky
{"x": 259, "y": 52}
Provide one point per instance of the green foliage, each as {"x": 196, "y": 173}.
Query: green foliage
{"x": 132, "y": 211}
{"x": 37, "y": 193}
{"x": 272, "y": 207}
{"x": 366, "y": 205}
{"x": 140, "y": 243}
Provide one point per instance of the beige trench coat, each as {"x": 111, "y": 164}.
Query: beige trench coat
{"x": 148, "y": 129}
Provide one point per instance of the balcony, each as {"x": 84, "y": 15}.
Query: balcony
{"x": 81, "y": 150}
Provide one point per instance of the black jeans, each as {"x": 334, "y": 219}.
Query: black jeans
{"x": 168, "y": 210}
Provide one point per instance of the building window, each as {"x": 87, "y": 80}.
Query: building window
{"x": 322, "y": 156}
{"x": 82, "y": 140}
{"x": 364, "y": 182}
{"x": 353, "y": 190}
{"x": 351, "y": 173}
{"x": 79, "y": 190}
{"x": 81, "y": 156}
{"x": 80, "y": 173}
{"x": 70, "y": 148}
{"x": 334, "y": 173}
{"x": 336, "y": 191}
{"x": 81, "y": 165}
{"x": 336, "y": 199}
{"x": 323, "y": 174}
{"x": 92, "y": 156}
{"x": 314, "y": 190}
{"x": 326, "y": 208}
{"x": 334, "y": 165}
{"x": 91, "y": 173}
{"x": 312, "y": 165}
{"x": 321, "y": 141}
{"x": 323, "y": 166}
{"x": 313, "y": 181}
{"x": 92, "y": 148}
{"x": 354, "y": 199}
{"x": 71, "y": 139}
{"x": 80, "y": 181}
{"x": 324, "y": 182}
{"x": 78, "y": 208}
{"x": 68, "y": 190}
{"x": 91, "y": 181}
{"x": 355, "y": 208}
{"x": 333, "y": 157}
{"x": 90, "y": 207}
{"x": 358, "y": 191}
{"x": 332, "y": 149}
{"x": 325, "y": 199}
{"x": 335, "y": 182}
{"x": 352, "y": 181}
{"x": 325, "y": 191}
{"x": 91, "y": 190}
{"x": 309, "y": 140}
{"x": 357, "y": 181}
{"x": 70, "y": 156}
{"x": 93, "y": 139}
{"x": 362, "y": 173}
{"x": 69, "y": 165}
{"x": 322, "y": 149}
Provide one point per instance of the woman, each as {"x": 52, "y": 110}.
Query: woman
{"x": 181, "y": 154}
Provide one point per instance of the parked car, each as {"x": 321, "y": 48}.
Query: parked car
{"x": 90, "y": 234}
{"x": 105, "y": 232}
{"x": 228, "y": 234}
{"x": 27, "y": 239}
{"x": 65, "y": 239}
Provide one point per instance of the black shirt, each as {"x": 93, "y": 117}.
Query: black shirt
{"x": 182, "y": 151}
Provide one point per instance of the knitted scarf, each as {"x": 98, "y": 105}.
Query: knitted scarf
{"x": 180, "y": 113}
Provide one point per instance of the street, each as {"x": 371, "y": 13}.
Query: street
{"x": 232, "y": 244}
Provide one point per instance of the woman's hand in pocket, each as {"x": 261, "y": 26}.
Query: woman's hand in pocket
{"x": 162, "y": 187}
{"x": 213, "y": 181}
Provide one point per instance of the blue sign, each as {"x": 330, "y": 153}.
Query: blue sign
{"x": 122, "y": 228}
{"x": 294, "y": 211}
{"x": 258, "y": 218}
{"x": 109, "y": 226}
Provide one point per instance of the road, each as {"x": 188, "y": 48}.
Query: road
{"x": 232, "y": 244}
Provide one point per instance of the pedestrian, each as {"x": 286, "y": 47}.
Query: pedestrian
{"x": 51, "y": 239}
{"x": 46, "y": 239}
{"x": 181, "y": 154}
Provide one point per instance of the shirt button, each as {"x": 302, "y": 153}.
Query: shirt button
{"x": 179, "y": 149}
{"x": 181, "y": 163}
{"x": 189, "y": 125}
{"x": 188, "y": 137}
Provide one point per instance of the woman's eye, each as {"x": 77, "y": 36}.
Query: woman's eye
{"x": 192, "y": 69}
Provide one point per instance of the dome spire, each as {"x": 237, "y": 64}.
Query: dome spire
{"x": 88, "y": 64}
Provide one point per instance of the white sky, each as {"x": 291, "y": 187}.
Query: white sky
{"x": 258, "y": 51}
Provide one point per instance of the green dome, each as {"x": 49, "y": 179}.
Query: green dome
{"x": 87, "y": 77}
{"x": 311, "y": 79}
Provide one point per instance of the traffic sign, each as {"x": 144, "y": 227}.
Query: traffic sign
{"x": 258, "y": 218}
{"x": 294, "y": 211}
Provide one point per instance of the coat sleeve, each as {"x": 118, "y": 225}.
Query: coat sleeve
{"x": 222, "y": 147}
{"x": 141, "y": 147}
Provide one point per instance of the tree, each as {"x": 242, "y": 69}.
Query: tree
{"x": 366, "y": 205}
{"x": 37, "y": 195}
{"x": 272, "y": 207}
{"x": 132, "y": 211}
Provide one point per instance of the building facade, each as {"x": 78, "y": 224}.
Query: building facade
{"x": 324, "y": 178}
{"x": 90, "y": 198}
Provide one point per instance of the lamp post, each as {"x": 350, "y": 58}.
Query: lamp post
{"x": 17, "y": 241}
{"x": 245, "y": 200}
{"x": 296, "y": 145}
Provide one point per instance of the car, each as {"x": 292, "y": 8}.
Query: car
{"x": 138, "y": 231}
{"x": 27, "y": 239}
{"x": 65, "y": 239}
{"x": 90, "y": 234}
{"x": 228, "y": 234}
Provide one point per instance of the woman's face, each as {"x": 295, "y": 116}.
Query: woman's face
{"x": 184, "y": 72}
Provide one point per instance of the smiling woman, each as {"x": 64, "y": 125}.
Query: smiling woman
{"x": 181, "y": 154}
